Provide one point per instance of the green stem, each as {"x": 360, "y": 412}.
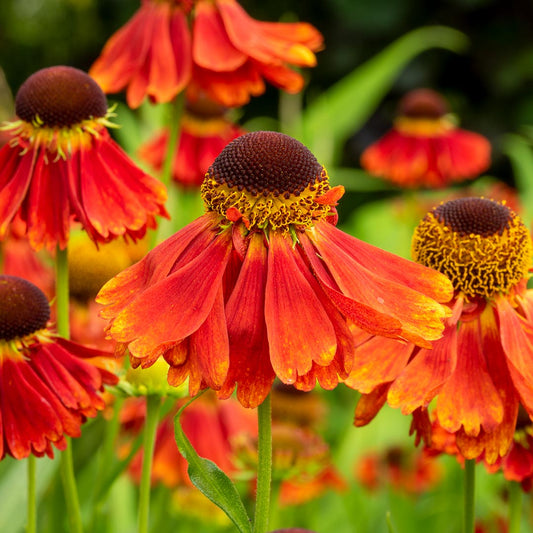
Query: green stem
{"x": 70, "y": 489}
{"x": 264, "y": 467}
{"x": 153, "y": 406}
{"x": 173, "y": 125}
{"x": 63, "y": 328}
{"x": 32, "y": 507}
{"x": 469, "y": 492}
{"x": 62, "y": 293}
{"x": 515, "y": 506}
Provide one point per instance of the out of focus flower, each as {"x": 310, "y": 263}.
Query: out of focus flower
{"x": 205, "y": 131}
{"x": 405, "y": 470}
{"x": 61, "y": 165}
{"x": 210, "y": 425}
{"x": 425, "y": 148}
{"x": 265, "y": 285}
{"x": 48, "y": 385}
{"x": 481, "y": 369}
{"x": 225, "y": 53}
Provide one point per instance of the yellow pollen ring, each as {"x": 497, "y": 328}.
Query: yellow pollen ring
{"x": 424, "y": 127}
{"x": 271, "y": 211}
{"x": 15, "y": 348}
{"x": 59, "y": 142}
{"x": 477, "y": 266}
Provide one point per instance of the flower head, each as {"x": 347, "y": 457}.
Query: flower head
{"x": 425, "y": 147}
{"x": 225, "y": 54}
{"x": 48, "y": 385}
{"x": 264, "y": 285}
{"x": 205, "y": 131}
{"x": 61, "y": 165}
{"x": 480, "y": 371}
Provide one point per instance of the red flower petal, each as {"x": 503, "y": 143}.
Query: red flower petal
{"x": 250, "y": 365}
{"x": 379, "y": 360}
{"x": 268, "y": 46}
{"x": 364, "y": 316}
{"x": 421, "y": 316}
{"x": 15, "y": 177}
{"x": 212, "y": 48}
{"x": 299, "y": 330}
{"x": 425, "y": 375}
{"x": 175, "y": 307}
{"x": 154, "y": 267}
{"x": 209, "y": 345}
{"x": 370, "y": 404}
{"x": 469, "y": 397}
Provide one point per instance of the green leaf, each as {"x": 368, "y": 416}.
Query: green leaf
{"x": 207, "y": 477}
{"x": 345, "y": 106}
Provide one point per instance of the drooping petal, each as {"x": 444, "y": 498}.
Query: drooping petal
{"x": 209, "y": 345}
{"x": 469, "y": 397}
{"x": 268, "y": 46}
{"x": 125, "y": 51}
{"x": 379, "y": 360}
{"x": 250, "y": 366}
{"x": 517, "y": 339}
{"x": 16, "y": 170}
{"x": 421, "y": 316}
{"x": 212, "y": 48}
{"x": 390, "y": 266}
{"x": 364, "y": 316}
{"x": 424, "y": 376}
{"x": 48, "y": 222}
{"x": 176, "y": 306}
{"x": 163, "y": 78}
{"x": 290, "y": 301}
{"x": 493, "y": 444}
{"x": 370, "y": 404}
{"x": 121, "y": 290}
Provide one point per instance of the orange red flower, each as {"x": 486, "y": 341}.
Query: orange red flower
{"x": 205, "y": 131}
{"x": 480, "y": 370}
{"x": 265, "y": 285}
{"x": 225, "y": 53}
{"x": 425, "y": 148}
{"x": 61, "y": 165}
{"x": 48, "y": 385}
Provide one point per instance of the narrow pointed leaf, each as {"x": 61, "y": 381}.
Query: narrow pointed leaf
{"x": 207, "y": 477}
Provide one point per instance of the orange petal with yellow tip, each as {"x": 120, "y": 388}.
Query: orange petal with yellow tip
{"x": 390, "y": 266}
{"x": 420, "y": 316}
{"x": 379, "y": 360}
{"x": 424, "y": 376}
{"x": 247, "y": 35}
{"x": 175, "y": 307}
{"x": 469, "y": 398}
{"x": 364, "y": 316}
{"x": 299, "y": 330}
{"x": 212, "y": 48}
{"x": 121, "y": 290}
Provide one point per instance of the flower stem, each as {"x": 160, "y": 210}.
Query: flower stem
{"x": 62, "y": 293}
{"x": 165, "y": 227}
{"x": 264, "y": 467}
{"x": 153, "y": 406}
{"x": 515, "y": 506}
{"x": 469, "y": 492}
{"x": 63, "y": 328}
{"x": 32, "y": 507}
